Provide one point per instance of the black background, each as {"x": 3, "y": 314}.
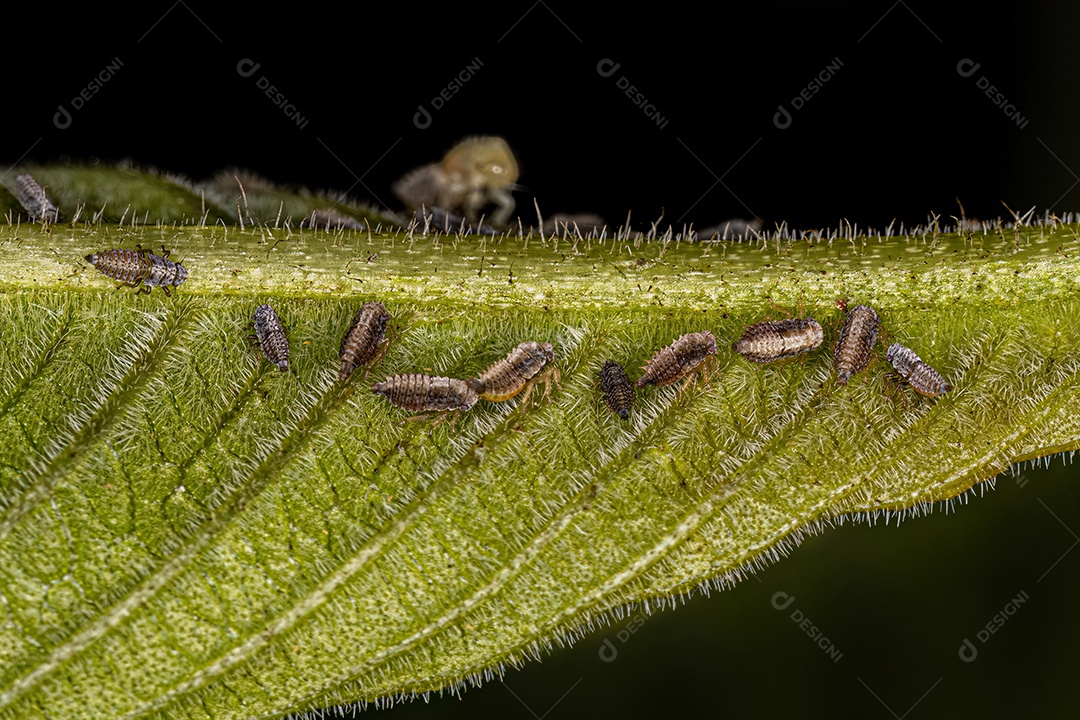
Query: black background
{"x": 896, "y": 133}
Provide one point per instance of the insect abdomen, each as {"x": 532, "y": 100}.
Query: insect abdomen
{"x": 767, "y": 341}
{"x": 271, "y": 335}
{"x": 127, "y": 266}
{"x": 617, "y": 389}
{"x": 505, "y": 378}
{"x": 678, "y": 359}
{"x": 856, "y": 341}
{"x": 419, "y": 393}
{"x": 923, "y": 378}
{"x": 361, "y": 341}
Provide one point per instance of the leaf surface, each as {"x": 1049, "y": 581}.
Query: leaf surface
{"x": 185, "y": 531}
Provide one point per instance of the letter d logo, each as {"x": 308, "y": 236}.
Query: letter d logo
{"x": 966, "y": 67}
{"x": 607, "y": 67}
{"x": 422, "y": 118}
{"x": 62, "y": 118}
{"x": 246, "y": 67}
{"x": 781, "y": 600}
{"x": 782, "y": 119}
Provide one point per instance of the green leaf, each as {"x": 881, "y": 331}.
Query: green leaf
{"x": 185, "y": 531}
{"x": 128, "y": 195}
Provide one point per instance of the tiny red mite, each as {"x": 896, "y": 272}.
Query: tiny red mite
{"x": 270, "y": 333}
{"x": 420, "y": 393}
{"x": 856, "y": 341}
{"x": 361, "y": 342}
{"x": 505, "y": 378}
{"x": 617, "y": 389}
{"x": 923, "y": 378}
{"x": 678, "y": 359}
{"x": 768, "y": 341}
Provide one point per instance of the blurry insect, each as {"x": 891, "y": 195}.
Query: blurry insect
{"x": 678, "y": 359}
{"x": 421, "y": 393}
{"x": 856, "y": 341}
{"x": 573, "y": 224}
{"x": 270, "y": 333}
{"x": 617, "y": 389}
{"x": 507, "y": 377}
{"x": 33, "y": 198}
{"x": 330, "y": 219}
{"x": 132, "y": 267}
{"x": 475, "y": 172}
{"x": 735, "y": 228}
{"x": 923, "y": 378}
{"x": 772, "y": 340}
{"x": 435, "y": 219}
{"x": 361, "y": 342}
